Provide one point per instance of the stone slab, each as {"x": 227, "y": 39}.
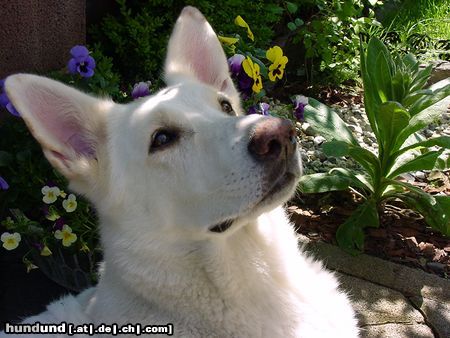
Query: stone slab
{"x": 436, "y": 313}
{"x": 410, "y": 282}
{"x": 397, "y": 331}
{"x": 377, "y": 305}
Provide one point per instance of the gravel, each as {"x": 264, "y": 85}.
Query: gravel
{"x": 314, "y": 160}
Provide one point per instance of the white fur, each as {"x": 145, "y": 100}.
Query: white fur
{"x": 162, "y": 264}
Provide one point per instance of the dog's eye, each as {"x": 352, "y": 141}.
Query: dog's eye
{"x": 226, "y": 107}
{"x": 162, "y": 139}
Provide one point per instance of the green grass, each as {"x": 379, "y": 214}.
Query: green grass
{"x": 427, "y": 17}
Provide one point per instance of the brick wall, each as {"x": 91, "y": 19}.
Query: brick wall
{"x": 36, "y": 35}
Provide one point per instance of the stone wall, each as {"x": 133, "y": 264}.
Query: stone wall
{"x": 36, "y": 35}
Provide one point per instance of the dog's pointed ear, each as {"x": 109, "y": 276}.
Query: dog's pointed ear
{"x": 68, "y": 124}
{"x": 195, "y": 51}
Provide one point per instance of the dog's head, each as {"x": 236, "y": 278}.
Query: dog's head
{"x": 184, "y": 160}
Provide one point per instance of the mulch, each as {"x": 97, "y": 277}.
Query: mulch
{"x": 403, "y": 236}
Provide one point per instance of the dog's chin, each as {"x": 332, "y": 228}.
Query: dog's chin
{"x": 277, "y": 194}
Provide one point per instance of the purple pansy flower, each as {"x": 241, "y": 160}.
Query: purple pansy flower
{"x": 300, "y": 103}
{"x": 81, "y": 62}
{"x": 244, "y": 82}
{"x": 260, "y": 108}
{"x": 4, "y": 100}
{"x": 3, "y": 184}
{"x": 38, "y": 246}
{"x": 141, "y": 89}
{"x": 59, "y": 223}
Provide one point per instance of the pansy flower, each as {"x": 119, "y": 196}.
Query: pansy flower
{"x": 81, "y": 62}
{"x": 253, "y": 71}
{"x": 4, "y": 100}
{"x": 241, "y": 23}
{"x": 276, "y": 69}
{"x": 66, "y": 235}
{"x": 70, "y": 204}
{"x": 50, "y": 194}
{"x": 300, "y": 102}
{"x": 229, "y": 42}
{"x": 10, "y": 241}
{"x": 261, "y": 108}
{"x": 244, "y": 82}
{"x": 141, "y": 89}
{"x": 3, "y": 184}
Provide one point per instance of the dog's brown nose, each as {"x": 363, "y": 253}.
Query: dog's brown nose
{"x": 272, "y": 138}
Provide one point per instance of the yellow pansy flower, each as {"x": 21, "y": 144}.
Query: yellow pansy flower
{"x": 253, "y": 71}
{"x": 46, "y": 251}
{"x": 50, "y": 194}
{"x": 227, "y": 40}
{"x": 276, "y": 69}
{"x": 241, "y": 23}
{"x": 66, "y": 235}
{"x": 10, "y": 241}
{"x": 70, "y": 204}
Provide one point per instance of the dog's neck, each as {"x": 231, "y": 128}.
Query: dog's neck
{"x": 245, "y": 267}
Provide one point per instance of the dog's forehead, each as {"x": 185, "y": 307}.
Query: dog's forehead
{"x": 190, "y": 98}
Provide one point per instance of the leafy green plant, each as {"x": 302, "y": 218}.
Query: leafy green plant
{"x": 331, "y": 38}
{"x": 138, "y": 31}
{"x": 395, "y": 104}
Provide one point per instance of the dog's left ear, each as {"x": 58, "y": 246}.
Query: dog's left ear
{"x": 195, "y": 51}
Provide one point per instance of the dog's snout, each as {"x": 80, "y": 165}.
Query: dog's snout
{"x": 272, "y": 138}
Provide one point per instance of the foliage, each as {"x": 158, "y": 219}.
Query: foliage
{"x": 417, "y": 26}
{"x": 249, "y": 65}
{"x": 330, "y": 37}
{"x": 137, "y": 35}
{"x": 395, "y": 104}
{"x": 58, "y": 230}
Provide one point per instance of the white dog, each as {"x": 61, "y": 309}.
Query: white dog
{"x": 188, "y": 192}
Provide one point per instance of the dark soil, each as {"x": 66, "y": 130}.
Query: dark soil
{"x": 403, "y": 236}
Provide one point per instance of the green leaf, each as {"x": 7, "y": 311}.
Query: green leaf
{"x": 350, "y": 234}
{"x": 364, "y": 157}
{"x": 441, "y": 141}
{"x": 291, "y": 7}
{"x": 323, "y": 182}
{"x": 358, "y": 181}
{"x": 5, "y": 158}
{"x": 380, "y": 69}
{"x": 327, "y": 123}
{"x": 423, "y": 162}
{"x": 416, "y": 123}
{"x": 371, "y": 100}
{"x": 440, "y": 91}
{"x": 299, "y": 22}
{"x": 421, "y": 78}
{"x": 336, "y": 148}
{"x": 435, "y": 209}
{"x": 291, "y": 26}
{"x": 412, "y": 98}
{"x": 392, "y": 119}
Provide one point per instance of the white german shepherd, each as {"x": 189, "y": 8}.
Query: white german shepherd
{"x": 188, "y": 191}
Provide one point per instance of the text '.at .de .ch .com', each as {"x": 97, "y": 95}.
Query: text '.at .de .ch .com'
{"x": 89, "y": 329}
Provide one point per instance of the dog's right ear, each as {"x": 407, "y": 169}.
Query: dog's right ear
{"x": 195, "y": 51}
{"x": 67, "y": 123}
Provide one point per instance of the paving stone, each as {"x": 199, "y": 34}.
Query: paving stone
{"x": 436, "y": 313}
{"x": 397, "y": 331}
{"x": 377, "y": 305}
{"x": 408, "y": 281}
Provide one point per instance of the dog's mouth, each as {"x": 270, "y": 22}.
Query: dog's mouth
{"x": 285, "y": 180}
{"x": 222, "y": 227}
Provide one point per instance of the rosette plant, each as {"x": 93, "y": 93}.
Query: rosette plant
{"x": 396, "y": 105}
